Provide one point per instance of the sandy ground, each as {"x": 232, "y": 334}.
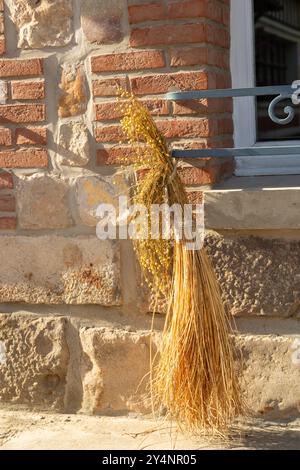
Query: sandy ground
{"x": 27, "y": 430}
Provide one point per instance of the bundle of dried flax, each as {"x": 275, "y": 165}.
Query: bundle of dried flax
{"x": 195, "y": 376}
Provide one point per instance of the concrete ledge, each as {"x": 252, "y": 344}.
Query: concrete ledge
{"x": 253, "y": 203}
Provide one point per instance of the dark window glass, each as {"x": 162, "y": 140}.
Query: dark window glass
{"x": 277, "y": 53}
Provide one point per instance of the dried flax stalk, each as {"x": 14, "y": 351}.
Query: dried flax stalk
{"x": 195, "y": 377}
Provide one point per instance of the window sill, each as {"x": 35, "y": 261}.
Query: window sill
{"x": 254, "y": 203}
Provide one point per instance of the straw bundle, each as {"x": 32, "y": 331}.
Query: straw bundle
{"x": 195, "y": 376}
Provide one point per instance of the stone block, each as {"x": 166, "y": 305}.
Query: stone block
{"x": 3, "y": 92}
{"x": 93, "y": 190}
{"x": 271, "y": 375}
{"x": 54, "y": 269}
{"x": 73, "y": 98}
{"x": 101, "y": 20}
{"x": 115, "y": 372}
{"x": 258, "y": 209}
{"x": 46, "y": 23}
{"x": 115, "y": 364}
{"x": 42, "y": 202}
{"x": 258, "y": 276}
{"x": 73, "y": 144}
{"x": 34, "y": 360}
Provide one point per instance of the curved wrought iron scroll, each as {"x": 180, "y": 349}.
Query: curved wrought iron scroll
{"x": 288, "y": 110}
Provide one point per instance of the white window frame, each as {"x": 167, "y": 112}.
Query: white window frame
{"x": 242, "y": 64}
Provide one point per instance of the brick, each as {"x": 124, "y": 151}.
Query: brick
{"x": 217, "y": 36}
{"x": 112, "y": 133}
{"x": 226, "y": 16}
{"x": 28, "y": 90}
{"x": 109, "y": 86}
{"x": 219, "y": 58}
{"x": 2, "y": 45}
{"x": 7, "y": 203}
{"x": 195, "y": 128}
{"x": 5, "y": 136}
{"x": 222, "y": 80}
{"x": 215, "y": 142}
{"x": 200, "y": 176}
{"x": 183, "y": 56}
{"x": 8, "y": 223}
{"x": 31, "y": 136}
{"x": 168, "y": 34}
{"x": 146, "y": 12}
{"x": 210, "y": 9}
{"x": 225, "y": 126}
{"x": 6, "y": 181}
{"x": 192, "y": 56}
{"x": 21, "y": 67}
{"x": 108, "y": 111}
{"x": 162, "y": 83}
{"x": 31, "y": 158}
{"x": 187, "y": 128}
{"x": 205, "y": 106}
{"x": 227, "y": 169}
{"x": 207, "y": 175}
{"x": 115, "y": 156}
{"x": 22, "y": 113}
{"x": 195, "y": 197}
{"x": 128, "y": 61}
{"x": 111, "y": 110}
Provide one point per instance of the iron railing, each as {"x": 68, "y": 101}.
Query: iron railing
{"x": 281, "y": 92}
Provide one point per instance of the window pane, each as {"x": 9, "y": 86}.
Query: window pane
{"x": 277, "y": 49}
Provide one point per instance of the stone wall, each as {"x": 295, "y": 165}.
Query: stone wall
{"x": 61, "y": 66}
{"x": 74, "y": 329}
{"x": 60, "y": 136}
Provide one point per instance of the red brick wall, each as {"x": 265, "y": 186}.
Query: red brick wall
{"x": 22, "y": 114}
{"x": 167, "y": 45}
{"x": 22, "y": 118}
{"x": 173, "y": 45}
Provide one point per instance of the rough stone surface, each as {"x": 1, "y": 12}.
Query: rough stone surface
{"x": 101, "y": 20}
{"x": 73, "y": 99}
{"x": 115, "y": 362}
{"x": 256, "y": 209}
{"x": 73, "y": 144}
{"x": 35, "y": 365}
{"x": 43, "y": 202}
{"x": 55, "y": 270}
{"x": 42, "y": 24}
{"x": 114, "y": 366}
{"x": 258, "y": 276}
{"x": 94, "y": 190}
{"x": 3, "y": 92}
{"x": 271, "y": 375}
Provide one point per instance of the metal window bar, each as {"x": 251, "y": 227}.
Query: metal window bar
{"x": 282, "y": 92}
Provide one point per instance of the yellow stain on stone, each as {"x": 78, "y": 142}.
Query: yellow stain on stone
{"x": 95, "y": 195}
{"x": 73, "y": 99}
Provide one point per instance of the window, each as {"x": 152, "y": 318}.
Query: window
{"x": 265, "y": 51}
